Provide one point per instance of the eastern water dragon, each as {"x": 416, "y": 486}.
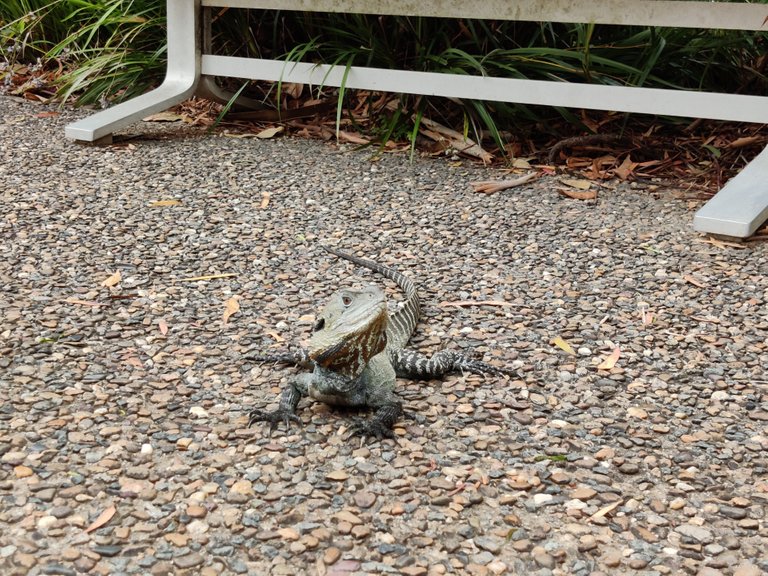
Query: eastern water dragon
{"x": 357, "y": 350}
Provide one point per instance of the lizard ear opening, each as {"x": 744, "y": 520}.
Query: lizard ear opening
{"x": 319, "y": 325}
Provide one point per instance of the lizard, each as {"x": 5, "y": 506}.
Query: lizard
{"x": 357, "y": 350}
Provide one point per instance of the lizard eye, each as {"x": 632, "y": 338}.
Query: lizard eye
{"x": 346, "y": 300}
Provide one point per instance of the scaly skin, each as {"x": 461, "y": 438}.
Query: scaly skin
{"x": 357, "y": 351}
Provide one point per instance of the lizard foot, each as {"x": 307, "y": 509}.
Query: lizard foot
{"x": 368, "y": 428}
{"x": 274, "y": 418}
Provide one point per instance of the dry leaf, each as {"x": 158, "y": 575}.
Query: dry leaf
{"x": 231, "y": 306}
{"x": 103, "y": 518}
{"x": 744, "y": 141}
{"x": 275, "y": 335}
{"x": 265, "y": 199}
{"x": 112, "y": 280}
{"x": 209, "y": 277}
{"x": 606, "y": 509}
{"x": 578, "y": 194}
{"x": 161, "y": 324}
{"x": 625, "y": 170}
{"x": 493, "y": 186}
{"x": 579, "y": 184}
{"x": 166, "y": 116}
{"x": 521, "y": 163}
{"x": 563, "y": 345}
{"x": 694, "y": 281}
{"x": 353, "y": 138}
{"x": 270, "y": 132}
{"x": 161, "y": 203}
{"x": 611, "y": 360}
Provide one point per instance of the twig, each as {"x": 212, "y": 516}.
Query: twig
{"x": 587, "y": 140}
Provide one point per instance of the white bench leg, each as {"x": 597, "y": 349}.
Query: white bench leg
{"x": 181, "y": 78}
{"x": 741, "y": 206}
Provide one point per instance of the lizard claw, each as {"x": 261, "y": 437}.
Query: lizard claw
{"x": 274, "y": 418}
{"x": 373, "y": 427}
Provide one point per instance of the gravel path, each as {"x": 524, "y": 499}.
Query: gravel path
{"x": 123, "y": 446}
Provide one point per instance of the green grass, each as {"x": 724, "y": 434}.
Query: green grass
{"x": 110, "y": 50}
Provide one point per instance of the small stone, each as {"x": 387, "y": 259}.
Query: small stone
{"x": 184, "y": 443}
{"x": 749, "y": 524}
{"x": 587, "y": 542}
{"x": 583, "y": 493}
{"x": 337, "y": 475}
{"x": 708, "y": 571}
{"x": 22, "y": 471}
{"x": 289, "y": 534}
{"x": 240, "y": 492}
{"x": 542, "y": 558}
{"x": 629, "y": 468}
{"x": 188, "y": 561}
{"x": 635, "y": 412}
{"x": 489, "y": 543}
{"x": 346, "y": 516}
{"x": 541, "y": 498}
{"x": 331, "y": 555}
{"x": 695, "y": 533}
{"x": 195, "y": 511}
{"x": 747, "y": 568}
{"x": 364, "y": 499}
{"x": 70, "y": 554}
{"x": 198, "y": 412}
{"x": 612, "y": 558}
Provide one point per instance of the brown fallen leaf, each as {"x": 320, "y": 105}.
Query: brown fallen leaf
{"x": 265, "y": 196}
{"x": 112, "y": 280}
{"x": 161, "y": 203}
{"x": 563, "y": 345}
{"x": 231, "y": 306}
{"x": 611, "y": 360}
{"x": 625, "y": 170}
{"x": 578, "y": 194}
{"x": 578, "y": 184}
{"x": 744, "y": 141}
{"x": 694, "y": 281}
{"x": 166, "y": 116}
{"x": 352, "y": 138}
{"x": 103, "y": 518}
{"x": 722, "y": 244}
{"x": 208, "y": 277}
{"x": 606, "y": 510}
{"x": 275, "y": 335}
{"x": 269, "y": 132}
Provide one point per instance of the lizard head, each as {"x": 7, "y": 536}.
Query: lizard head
{"x": 350, "y": 330}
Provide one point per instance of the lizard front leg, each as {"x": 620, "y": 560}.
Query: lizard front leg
{"x": 380, "y": 424}
{"x": 286, "y": 412}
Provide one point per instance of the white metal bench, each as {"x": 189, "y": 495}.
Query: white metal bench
{"x": 737, "y": 210}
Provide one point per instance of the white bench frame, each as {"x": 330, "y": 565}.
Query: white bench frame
{"x": 737, "y": 210}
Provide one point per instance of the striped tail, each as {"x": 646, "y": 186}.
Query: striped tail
{"x": 403, "y": 322}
